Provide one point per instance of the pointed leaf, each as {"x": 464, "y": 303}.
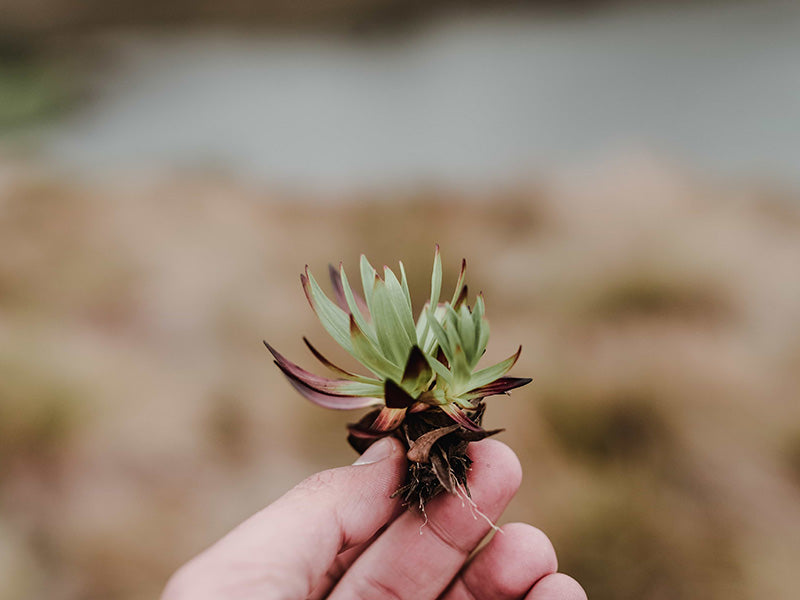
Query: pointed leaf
{"x": 368, "y": 274}
{"x": 401, "y": 303}
{"x": 404, "y": 283}
{"x": 417, "y": 373}
{"x": 421, "y": 447}
{"x": 393, "y": 339}
{"x": 489, "y": 374}
{"x": 333, "y": 319}
{"x": 436, "y": 290}
{"x": 460, "y": 367}
{"x": 462, "y": 298}
{"x": 441, "y": 337}
{"x": 395, "y": 396}
{"x": 460, "y": 282}
{"x": 329, "y": 400}
{"x": 499, "y": 386}
{"x": 336, "y": 369}
{"x": 324, "y": 385}
{"x": 388, "y": 419}
{"x": 357, "y": 307}
{"x": 441, "y": 370}
{"x": 466, "y": 331}
{"x": 460, "y": 417}
{"x": 481, "y": 328}
{"x": 369, "y": 355}
{"x": 336, "y": 281}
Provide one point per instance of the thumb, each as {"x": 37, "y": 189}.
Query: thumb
{"x": 285, "y": 549}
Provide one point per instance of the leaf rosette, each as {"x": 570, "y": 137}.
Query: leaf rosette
{"x": 425, "y": 367}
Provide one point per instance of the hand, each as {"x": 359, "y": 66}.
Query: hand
{"x": 339, "y": 535}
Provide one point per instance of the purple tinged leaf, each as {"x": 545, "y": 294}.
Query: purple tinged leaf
{"x": 499, "y": 386}
{"x": 336, "y": 369}
{"x": 327, "y": 387}
{"x": 388, "y": 419}
{"x": 462, "y": 297}
{"x": 460, "y": 282}
{"x": 333, "y": 318}
{"x": 361, "y": 436}
{"x": 328, "y": 400}
{"x": 355, "y": 302}
{"x": 418, "y": 372}
{"x": 396, "y": 397}
{"x": 338, "y": 290}
{"x": 460, "y": 417}
{"x": 489, "y": 374}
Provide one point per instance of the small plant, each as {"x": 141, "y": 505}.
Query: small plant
{"x": 425, "y": 384}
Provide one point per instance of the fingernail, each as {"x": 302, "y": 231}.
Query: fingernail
{"x": 378, "y": 451}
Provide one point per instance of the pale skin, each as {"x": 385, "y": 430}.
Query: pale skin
{"x": 339, "y": 535}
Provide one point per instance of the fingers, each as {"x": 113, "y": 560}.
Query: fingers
{"x": 285, "y": 550}
{"x": 343, "y": 561}
{"x": 416, "y": 561}
{"x": 507, "y": 568}
{"x": 557, "y": 587}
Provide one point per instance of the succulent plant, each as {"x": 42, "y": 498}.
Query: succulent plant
{"x": 424, "y": 379}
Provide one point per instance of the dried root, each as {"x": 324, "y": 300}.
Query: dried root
{"x": 437, "y": 456}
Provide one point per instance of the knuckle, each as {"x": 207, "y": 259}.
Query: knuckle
{"x": 374, "y": 588}
{"x": 318, "y": 482}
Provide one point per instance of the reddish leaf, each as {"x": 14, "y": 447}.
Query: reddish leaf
{"x": 396, "y": 397}
{"x": 417, "y": 372}
{"x": 499, "y": 386}
{"x": 328, "y": 400}
{"x": 330, "y": 365}
{"x": 338, "y": 290}
{"x": 460, "y": 417}
{"x": 388, "y": 419}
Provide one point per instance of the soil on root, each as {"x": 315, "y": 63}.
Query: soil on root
{"x": 437, "y": 454}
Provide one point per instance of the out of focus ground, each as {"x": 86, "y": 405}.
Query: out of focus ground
{"x": 140, "y": 417}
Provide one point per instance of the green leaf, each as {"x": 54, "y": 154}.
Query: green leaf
{"x": 404, "y": 283}
{"x": 401, "y": 304}
{"x": 481, "y": 328}
{"x": 436, "y": 290}
{"x": 460, "y": 282}
{"x": 417, "y": 372}
{"x": 466, "y": 330}
{"x": 333, "y": 319}
{"x": 352, "y": 304}
{"x": 436, "y": 277}
{"x": 441, "y": 337}
{"x": 440, "y": 370}
{"x": 370, "y": 356}
{"x": 460, "y": 367}
{"x": 335, "y": 368}
{"x": 368, "y": 274}
{"x": 489, "y": 374}
{"x": 392, "y": 336}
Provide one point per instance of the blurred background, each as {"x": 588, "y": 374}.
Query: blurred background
{"x": 622, "y": 177}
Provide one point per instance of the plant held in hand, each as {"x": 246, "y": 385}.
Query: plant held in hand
{"x": 425, "y": 384}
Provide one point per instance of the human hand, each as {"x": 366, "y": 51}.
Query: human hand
{"x": 339, "y": 535}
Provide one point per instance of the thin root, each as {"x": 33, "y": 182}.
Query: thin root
{"x": 476, "y": 512}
